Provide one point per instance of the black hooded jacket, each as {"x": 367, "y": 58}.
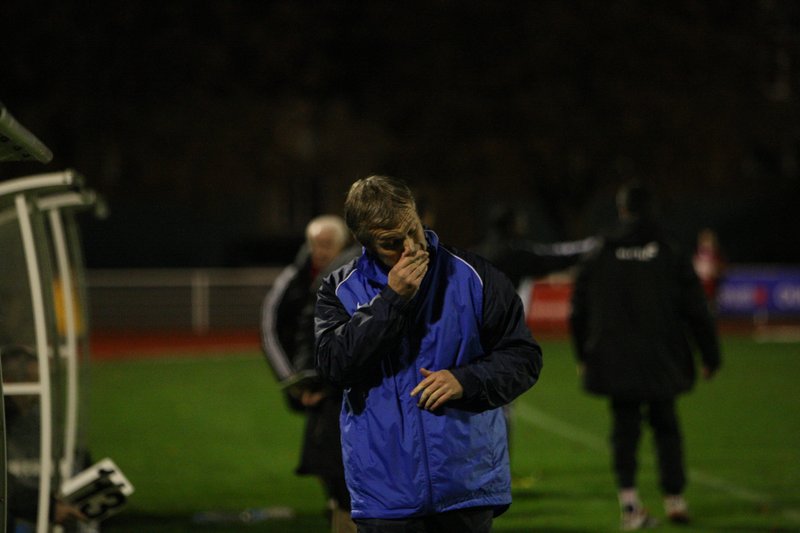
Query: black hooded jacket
{"x": 636, "y": 306}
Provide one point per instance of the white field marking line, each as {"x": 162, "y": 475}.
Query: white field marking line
{"x": 542, "y": 420}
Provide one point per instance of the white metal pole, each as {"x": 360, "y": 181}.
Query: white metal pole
{"x": 37, "y": 299}
{"x": 200, "y": 301}
{"x": 70, "y": 348}
{"x": 27, "y": 183}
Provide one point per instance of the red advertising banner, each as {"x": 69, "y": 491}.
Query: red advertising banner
{"x": 548, "y": 305}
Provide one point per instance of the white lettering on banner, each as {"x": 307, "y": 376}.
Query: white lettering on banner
{"x": 787, "y": 296}
{"x": 647, "y": 252}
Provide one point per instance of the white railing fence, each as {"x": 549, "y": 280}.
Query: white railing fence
{"x": 194, "y": 299}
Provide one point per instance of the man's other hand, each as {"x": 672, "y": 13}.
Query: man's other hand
{"x": 436, "y": 388}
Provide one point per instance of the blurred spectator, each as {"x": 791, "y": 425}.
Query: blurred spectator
{"x": 22, "y": 424}
{"x": 709, "y": 263}
{"x": 288, "y": 339}
{"x": 634, "y": 299}
{"x": 505, "y": 245}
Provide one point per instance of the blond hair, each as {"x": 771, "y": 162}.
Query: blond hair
{"x": 376, "y": 202}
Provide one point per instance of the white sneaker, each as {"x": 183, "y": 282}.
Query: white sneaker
{"x": 676, "y": 508}
{"x": 636, "y": 517}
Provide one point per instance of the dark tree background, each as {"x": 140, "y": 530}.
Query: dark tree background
{"x": 217, "y": 129}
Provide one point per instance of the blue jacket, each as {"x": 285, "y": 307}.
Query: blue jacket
{"x": 400, "y": 460}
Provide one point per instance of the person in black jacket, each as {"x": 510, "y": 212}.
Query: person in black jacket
{"x": 636, "y": 297}
{"x": 506, "y": 246}
{"x": 288, "y": 342}
{"x": 515, "y": 255}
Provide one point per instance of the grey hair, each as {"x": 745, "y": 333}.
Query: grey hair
{"x": 334, "y": 222}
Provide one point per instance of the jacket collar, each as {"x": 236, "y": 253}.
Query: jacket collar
{"x": 371, "y": 267}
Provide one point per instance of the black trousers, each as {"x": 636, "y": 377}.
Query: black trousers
{"x": 625, "y": 435}
{"x": 472, "y": 520}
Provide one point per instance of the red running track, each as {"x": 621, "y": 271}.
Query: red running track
{"x": 145, "y": 344}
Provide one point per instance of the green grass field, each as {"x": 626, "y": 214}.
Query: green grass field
{"x": 213, "y": 434}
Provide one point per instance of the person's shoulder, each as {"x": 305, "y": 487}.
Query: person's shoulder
{"x": 289, "y": 277}
{"x": 667, "y": 240}
{"x": 480, "y": 266}
{"x": 345, "y": 257}
{"x": 303, "y": 257}
{"x": 345, "y": 267}
{"x": 646, "y": 233}
{"x": 467, "y": 256}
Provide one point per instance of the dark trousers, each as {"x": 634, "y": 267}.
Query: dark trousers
{"x": 472, "y": 520}
{"x": 625, "y": 436}
{"x": 336, "y": 488}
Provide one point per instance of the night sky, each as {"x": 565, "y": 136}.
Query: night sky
{"x": 217, "y": 129}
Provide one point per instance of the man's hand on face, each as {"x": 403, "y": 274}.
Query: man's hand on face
{"x": 436, "y": 388}
{"x": 406, "y": 275}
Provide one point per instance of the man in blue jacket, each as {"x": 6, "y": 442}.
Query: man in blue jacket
{"x": 428, "y": 343}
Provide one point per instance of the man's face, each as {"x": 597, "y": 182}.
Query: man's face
{"x": 408, "y": 235}
{"x": 324, "y": 246}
